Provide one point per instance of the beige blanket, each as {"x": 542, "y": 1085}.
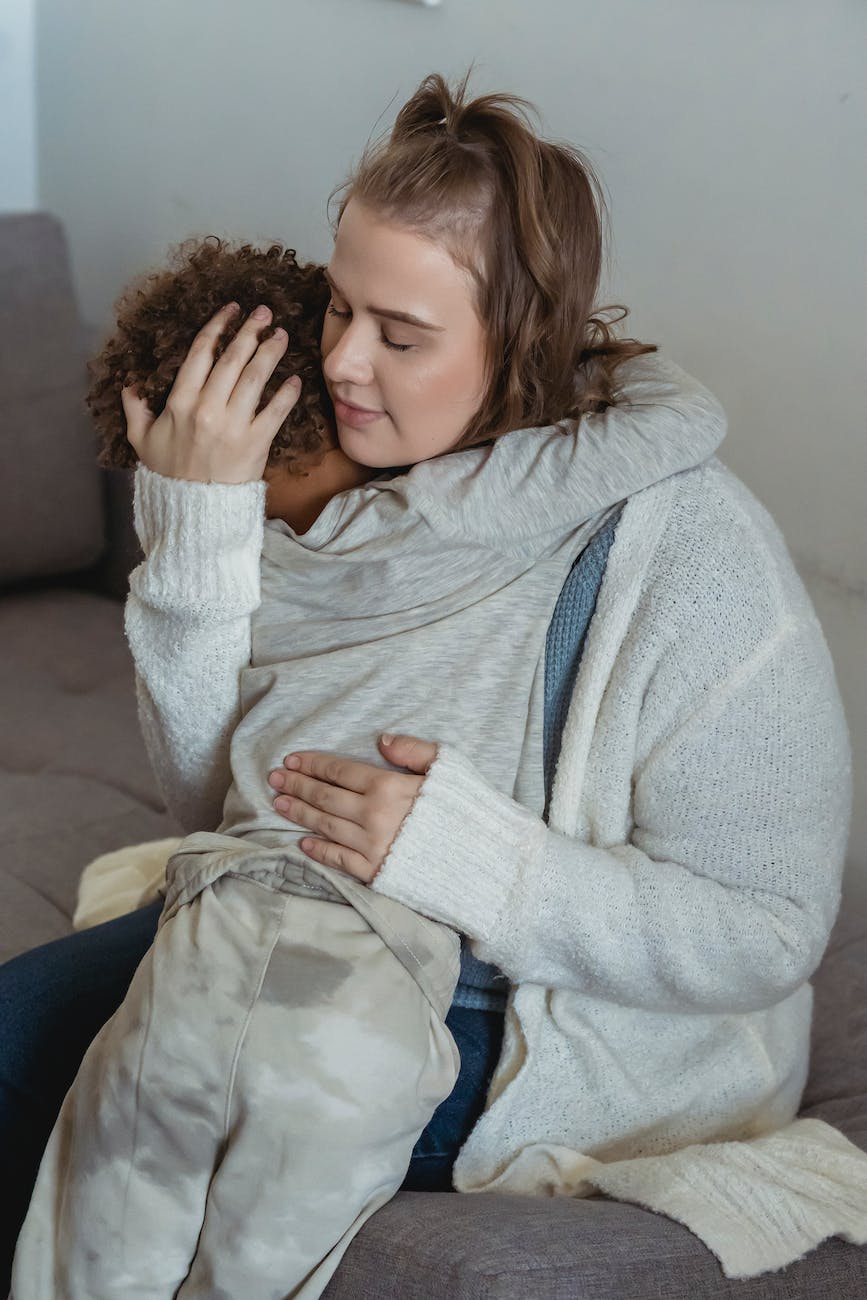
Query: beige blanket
{"x": 121, "y": 881}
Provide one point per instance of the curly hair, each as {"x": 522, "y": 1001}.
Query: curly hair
{"x": 159, "y": 314}
{"x": 524, "y": 216}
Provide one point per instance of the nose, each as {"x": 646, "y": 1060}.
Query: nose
{"x": 348, "y": 361}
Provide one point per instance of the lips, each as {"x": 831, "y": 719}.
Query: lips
{"x": 353, "y": 406}
{"x": 357, "y": 417}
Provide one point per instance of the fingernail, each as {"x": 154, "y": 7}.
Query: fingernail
{"x": 276, "y": 779}
{"x": 386, "y": 738}
{"x": 233, "y": 307}
{"x": 293, "y": 761}
{"x": 279, "y": 334}
{"x": 261, "y": 312}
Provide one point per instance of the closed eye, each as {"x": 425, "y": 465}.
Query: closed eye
{"x": 396, "y": 347}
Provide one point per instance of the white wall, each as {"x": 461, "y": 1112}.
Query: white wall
{"x": 17, "y": 107}
{"x": 731, "y": 135}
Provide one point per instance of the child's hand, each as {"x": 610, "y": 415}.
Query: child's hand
{"x": 209, "y": 431}
{"x": 357, "y": 807}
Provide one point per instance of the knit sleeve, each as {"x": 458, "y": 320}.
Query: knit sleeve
{"x": 724, "y": 896}
{"x": 531, "y": 485}
{"x": 187, "y": 622}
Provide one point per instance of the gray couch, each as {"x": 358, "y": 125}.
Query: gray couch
{"x": 76, "y": 782}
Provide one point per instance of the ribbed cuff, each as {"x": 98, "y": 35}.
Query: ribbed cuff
{"x": 202, "y": 541}
{"x": 218, "y": 513}
{"x": 460, "y": 848}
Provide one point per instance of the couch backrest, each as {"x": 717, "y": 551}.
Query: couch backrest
{"x": 52, "y": 499}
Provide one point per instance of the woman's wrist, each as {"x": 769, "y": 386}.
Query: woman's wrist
{"x": 202, "y": 544}
{"x": 458, "y": 849}
{"x": 199, "y": 515}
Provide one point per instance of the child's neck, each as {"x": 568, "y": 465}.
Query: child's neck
{"x": 300, "y": 499}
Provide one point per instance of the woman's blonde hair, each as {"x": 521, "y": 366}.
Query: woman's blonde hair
{"x": 523, "y": 216}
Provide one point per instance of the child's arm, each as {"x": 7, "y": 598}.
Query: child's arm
{"x": 535, "y": 484}
{"x": 187, "y": 621}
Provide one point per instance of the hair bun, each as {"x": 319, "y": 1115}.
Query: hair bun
{"x": 432, "y": 107}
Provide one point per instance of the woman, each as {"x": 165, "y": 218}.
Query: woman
{"x": 671, "y": 910}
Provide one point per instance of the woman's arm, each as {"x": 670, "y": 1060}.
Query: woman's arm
{"x": 532, "y": 484}
{"x": 187, "y": 621}
{"x": 199, "y": 512}
{"x": 724, "y": 897}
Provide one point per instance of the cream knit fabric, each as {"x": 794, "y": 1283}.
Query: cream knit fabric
{"x": 662, "y": 929}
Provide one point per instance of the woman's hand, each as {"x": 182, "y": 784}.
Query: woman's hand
{"x": 209, "y": 431}
{"x": 357, "y": 808}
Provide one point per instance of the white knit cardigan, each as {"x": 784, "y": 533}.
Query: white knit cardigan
{"x": 661, "y": 930}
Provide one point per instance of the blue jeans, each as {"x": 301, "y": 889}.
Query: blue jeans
{"x": 55, "y": 999}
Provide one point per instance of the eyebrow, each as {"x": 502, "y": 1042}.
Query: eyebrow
{"x": 405, "y": 316}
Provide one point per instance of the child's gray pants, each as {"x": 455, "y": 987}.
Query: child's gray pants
{"x": 257, "y": 1095}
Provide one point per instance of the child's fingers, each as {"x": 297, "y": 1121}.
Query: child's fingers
{"x": 139, "y": 416}
{"x": 268, "y": 421}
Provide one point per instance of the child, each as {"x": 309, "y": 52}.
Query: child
{"x": 258, "y": 1094}
{"x": 159, "y": 314}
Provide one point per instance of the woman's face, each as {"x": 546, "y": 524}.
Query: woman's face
{"x": 403, "y": 351}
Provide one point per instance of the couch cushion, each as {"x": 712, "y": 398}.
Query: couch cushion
{"x": 51, "y": 490}
{"x": 75, "y": 780}
{"x": 434, "y": 1246}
